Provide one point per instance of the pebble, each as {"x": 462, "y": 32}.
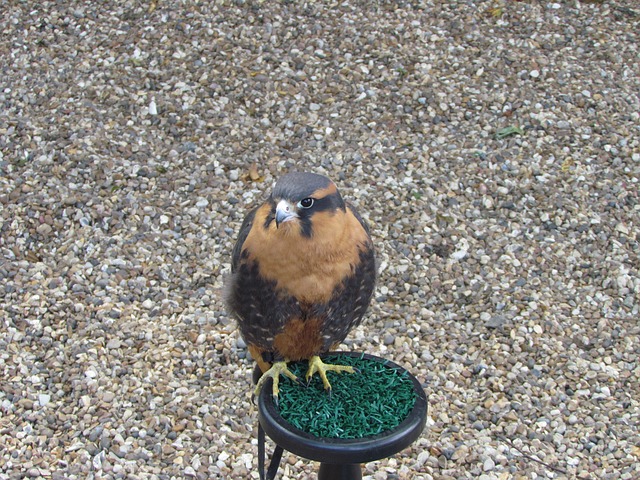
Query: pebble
{"x": 488, "y": 465}
{"x": 135, "y": 136}
{"x": 44, "y": 229}
{"x": 108, "y": 397}
{"x": 496, "y": 321}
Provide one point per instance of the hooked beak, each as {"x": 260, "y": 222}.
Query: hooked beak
{"x": 285, "y": 212}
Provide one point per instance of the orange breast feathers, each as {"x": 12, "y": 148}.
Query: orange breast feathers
{"x": 308, "y": 268}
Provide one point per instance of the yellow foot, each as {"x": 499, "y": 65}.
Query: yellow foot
{"x": 317, "y": 365}
{"x": 277, "y": 369}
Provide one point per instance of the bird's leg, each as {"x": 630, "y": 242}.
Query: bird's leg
{"x": 317, "y": 365}
{"x": 277, "y": 369}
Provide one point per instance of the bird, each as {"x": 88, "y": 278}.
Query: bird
{"x": 303, "y": 272}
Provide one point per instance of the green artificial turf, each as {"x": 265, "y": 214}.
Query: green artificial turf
{"x": 363, "y": 404}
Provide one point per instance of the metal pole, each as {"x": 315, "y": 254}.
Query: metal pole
{"x": 345, "y": 471}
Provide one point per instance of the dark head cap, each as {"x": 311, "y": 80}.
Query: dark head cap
{"x": 298, "y": 185}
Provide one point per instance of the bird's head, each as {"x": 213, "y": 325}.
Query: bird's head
{"x": 298, "y": 197}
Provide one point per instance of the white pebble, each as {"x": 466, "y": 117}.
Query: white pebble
{"x": 97, "y": 460}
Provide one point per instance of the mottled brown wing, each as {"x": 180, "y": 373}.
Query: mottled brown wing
{"x": 359, "y": 218}
{"x": 245, "y": 228}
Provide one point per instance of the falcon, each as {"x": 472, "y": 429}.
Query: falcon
{"x": 302, "y": 276}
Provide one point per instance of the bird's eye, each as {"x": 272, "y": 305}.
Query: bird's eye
{"x": 305, "y": 203}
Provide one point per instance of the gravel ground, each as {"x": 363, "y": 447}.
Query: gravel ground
{"x": 134, "y": 136}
